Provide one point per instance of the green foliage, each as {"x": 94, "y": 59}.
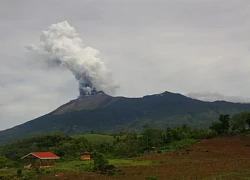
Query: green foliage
{"x": 222, "y": 126}
{"x": 84, "y": 167}
{"x": 217, "y": 127}
{"x": 236, "y": 124}
{"x": 239, "y": 122}
{"x": 96, "y": 139}
{"x": 151, "y": 137}
{"x": 177, "y": 145}
{"x": 126, "y": 144}
{"x": 19, "y": 172}
{"x": 3, "y": 161}
{"x": 31, "y": 175}
{"x": 58, "y": 143}
{"x": 100, "y": 161}
{"x": 211, "y": 134}
{"x": 120, "y": 145}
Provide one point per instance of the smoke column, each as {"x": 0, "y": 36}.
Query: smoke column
{"x": 62, "y": 45}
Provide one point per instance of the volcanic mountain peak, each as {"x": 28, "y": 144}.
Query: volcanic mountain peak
{"x": 87, "y": 102}
{"x": 104, "y": 113}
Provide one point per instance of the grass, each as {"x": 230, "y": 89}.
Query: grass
{"x": 80, "y": 165}
{"x": 7, "y": 171}
{"x": 12, "y": 171}
{"x": 73, "y": 165}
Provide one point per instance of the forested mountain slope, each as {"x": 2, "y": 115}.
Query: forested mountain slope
{"x": 103, "y": 113}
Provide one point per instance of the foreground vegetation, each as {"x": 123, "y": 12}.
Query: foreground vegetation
{"x": 113, "y": 149}
{"x": 75, "y": 165}
{"x": 123, "y": 145}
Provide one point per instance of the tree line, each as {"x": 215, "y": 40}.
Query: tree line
{"x": 238, "y": 123}
{"x": 124, "y": 144}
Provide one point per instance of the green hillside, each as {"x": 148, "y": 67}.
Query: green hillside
{"x": 96, "y": 138}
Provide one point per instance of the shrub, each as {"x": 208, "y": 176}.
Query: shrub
{"x": 100, "y": 162}
{"x": 211, "y": 134}
{"x": 19, "y": 172}
{"x": 85, "y": 167}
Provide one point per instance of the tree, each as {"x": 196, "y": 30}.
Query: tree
{"x": 217, "y": 127}
{"x": 100, "y": 162}
{"x": 240, "y": 122}
{"x": 151, "y": 137}
{"x": 222, "y": 126}
{"x": 224, "y": 119}
{"x": 3, "y": 161}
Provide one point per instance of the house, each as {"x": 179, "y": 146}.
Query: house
{"x": 39, "y": 160}
{"x": 85, "y": 156}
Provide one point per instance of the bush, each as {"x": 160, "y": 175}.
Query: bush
{"x": 211, "y": 134}
{"x": 3, "y": 161}
{"x": 100, "y": 162}
{"x": 85, "y": 167}
{"x": 31, "y": 175}
{"x": 19, "y": 172}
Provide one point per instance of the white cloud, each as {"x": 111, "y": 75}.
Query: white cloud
{"x": 213, "y": 96}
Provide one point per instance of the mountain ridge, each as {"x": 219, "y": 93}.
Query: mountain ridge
{"x": 104, "y": 113}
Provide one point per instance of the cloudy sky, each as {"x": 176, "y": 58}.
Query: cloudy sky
{"x": 201, "y": 47}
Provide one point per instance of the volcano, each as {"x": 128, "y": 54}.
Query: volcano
{"x": 100, "y": 112}
{"x": 96, "y": 99}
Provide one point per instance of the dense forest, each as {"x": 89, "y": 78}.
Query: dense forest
{"x": 124, "y": 144}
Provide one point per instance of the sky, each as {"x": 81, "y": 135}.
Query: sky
{"x": 199, "y": 48}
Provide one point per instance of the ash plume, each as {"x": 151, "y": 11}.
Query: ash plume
{"x": 61, "y": 45}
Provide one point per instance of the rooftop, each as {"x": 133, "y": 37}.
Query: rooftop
{"x": 42, "y": 155}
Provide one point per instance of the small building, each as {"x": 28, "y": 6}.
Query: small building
{"x": 39, "y": 160}
{"x": 85, "y": 156}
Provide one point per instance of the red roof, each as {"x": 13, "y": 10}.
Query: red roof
{"x": 43, "y": 155}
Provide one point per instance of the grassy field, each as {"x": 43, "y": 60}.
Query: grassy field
{"x": 80, "y": 165}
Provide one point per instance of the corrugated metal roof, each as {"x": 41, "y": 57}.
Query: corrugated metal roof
{"x": 43, "y": 155}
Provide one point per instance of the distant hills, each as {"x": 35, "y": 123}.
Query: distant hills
{"x": 104, "y": 113}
